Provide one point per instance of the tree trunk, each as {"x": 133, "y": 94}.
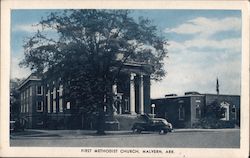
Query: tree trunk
{"x": 101, "y": 121}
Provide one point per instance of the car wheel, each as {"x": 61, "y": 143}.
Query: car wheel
{"x": 162, "y": 131}
{"x": 136, "y": 130}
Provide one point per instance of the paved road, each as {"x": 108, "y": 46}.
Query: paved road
{"x": 180, "y": 138}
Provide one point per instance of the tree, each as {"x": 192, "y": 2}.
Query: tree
{"x": 91, "y": 47}
{"x": 215, "y": 111}
{"x": 212, "y": 116}
{"x": 14, "y": 99}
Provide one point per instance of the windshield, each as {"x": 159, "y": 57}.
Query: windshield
{"x": 160, "y": 120}
{"x": 165, "y": 122}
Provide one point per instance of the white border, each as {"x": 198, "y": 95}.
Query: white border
{"x": 7, "y": 5}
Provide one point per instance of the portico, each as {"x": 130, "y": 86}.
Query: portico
{"x": 132, "y": 94}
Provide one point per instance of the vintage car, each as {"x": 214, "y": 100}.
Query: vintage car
{"x": 16, "y": 126}
{"x": 152, "y": 124}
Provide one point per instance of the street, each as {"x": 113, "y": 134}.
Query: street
{"x": 219, "y": 138}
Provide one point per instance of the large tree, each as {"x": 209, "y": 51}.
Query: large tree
{"x": 14, "y": 99}
{"x": 88, "y": 48}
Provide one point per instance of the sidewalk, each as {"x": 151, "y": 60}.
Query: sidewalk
{"x": 31, "y": 133}
{"x": 205, "y": 130}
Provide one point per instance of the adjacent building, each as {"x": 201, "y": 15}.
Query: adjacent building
{"x": 185, "y": 111}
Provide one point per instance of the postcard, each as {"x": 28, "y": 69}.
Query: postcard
{"x": 124, "y": 78}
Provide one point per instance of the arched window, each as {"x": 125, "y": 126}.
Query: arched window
{"x": 225, "y": 107}
{"x": 198, "y": 112}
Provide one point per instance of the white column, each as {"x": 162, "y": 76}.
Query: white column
{"x": 54, "y": 100}
{"x": 114, "y": 104}
{"x": 48, "y": 101}
{"x": 114, "y": 89}
{"x": 132, "y": 93}
{"x": 60, "y": 91}
{"x": 141, "y": 96}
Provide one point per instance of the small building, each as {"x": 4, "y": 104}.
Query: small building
{"x": 185, "y": 111}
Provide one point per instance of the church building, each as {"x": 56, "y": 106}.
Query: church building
{"x": 43, "y": 103}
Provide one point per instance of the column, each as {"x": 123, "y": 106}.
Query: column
{"x": 60, "y": 91}
{"x": 132, "y": 93}
{"x": 54, "y": 100}
{"x": 114, "y": 89}
{"x": 48, "y": 100}
{"x": 141, "y": 96}
{"x": 114, "y": 104}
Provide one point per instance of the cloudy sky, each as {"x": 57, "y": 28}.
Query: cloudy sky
{"x": 204, "y": 45}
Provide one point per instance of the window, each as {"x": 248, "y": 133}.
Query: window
{"x": 21, "y": 97}
{"x": 24, "y": 108}
{"x": 39, "y": 106}
{"x": 27, "y": 93}
{"x": 27, "y": 106}
{"x": 39, "y": 90}
{"x": 181, "y": 113}
{"x": 198, "y": 112}
{"x": 30, "y": 90}
{"x": 21, "y": 107}
{"x": 68, "y": 105}
{"x": 225, "y": 111}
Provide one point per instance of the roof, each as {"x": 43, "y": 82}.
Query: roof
{"x": 32, "y": 77}
{"x": 136, "y": 67}
{"x": 182, "y": 96}
{"x": 233, "y": 95}
{"x": 195, "y": 95}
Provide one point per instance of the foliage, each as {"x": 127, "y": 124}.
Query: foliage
{"x": 91, "y": 47}
{"x": 213, "y": 113}
{"x": 14, "y": 99}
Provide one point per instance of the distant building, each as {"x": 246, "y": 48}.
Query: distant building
{"x": 185, "y": 111}
{"x": 43, "y": 103}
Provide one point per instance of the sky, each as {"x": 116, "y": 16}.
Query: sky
{"x": 203, "y": 45}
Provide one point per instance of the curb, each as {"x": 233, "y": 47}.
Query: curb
{"x": 92, "y": 134}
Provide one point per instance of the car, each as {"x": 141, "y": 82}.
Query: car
{"x": 16, "y": 126}
{"x": 12, "y": 125}
{"x": 152, "y": 124}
